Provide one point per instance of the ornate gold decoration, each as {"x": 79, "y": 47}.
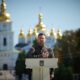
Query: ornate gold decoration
{"x": 59, "y": 34}
{"x": 29, "y": 35}
{"x": 4, "y": 16}
{"x": 52, "y": 32}
{"x": 35, "y": 32}
{"x": 21, "y": 35}
{"x": 40, "y": 26}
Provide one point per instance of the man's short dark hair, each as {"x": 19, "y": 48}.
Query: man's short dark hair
{"x": 40, "y": 34}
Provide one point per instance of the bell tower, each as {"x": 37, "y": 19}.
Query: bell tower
{"x": 6, "y": 33}
{"x": 7, "y": 54}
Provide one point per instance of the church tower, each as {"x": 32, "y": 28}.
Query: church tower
{"x": 6, "y": 34}
{"x": 6, "y": 37}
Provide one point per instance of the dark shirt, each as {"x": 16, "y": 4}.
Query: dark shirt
{"x": 37, "y": 50}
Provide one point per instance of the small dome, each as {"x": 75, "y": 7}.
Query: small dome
{"x": 53, "y": 33}
{"x": 21, "y": 35}
{"x": 59, "y": 34}
{"x": 29, "y": 35}
{"x": 35, "y": 32}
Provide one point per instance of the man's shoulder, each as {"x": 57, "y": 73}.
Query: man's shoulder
{"x": 47, "y": 47}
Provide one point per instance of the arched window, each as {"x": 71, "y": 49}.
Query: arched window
{"x": 4, "y": 42}
{"x": 5, "y": 67}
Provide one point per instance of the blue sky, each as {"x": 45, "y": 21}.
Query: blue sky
{"x": 63, "y": 14}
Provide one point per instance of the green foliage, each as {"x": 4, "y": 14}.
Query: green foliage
{"x": 34, "y": 42}
{"x": 68, "y": 49}
{"x": 63, "y": 73}
{"x": 20, "y": 63}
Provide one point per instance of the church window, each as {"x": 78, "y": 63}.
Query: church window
{"x": 4, "y": 42}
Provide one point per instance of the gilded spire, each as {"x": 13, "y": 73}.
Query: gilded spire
{"x": 40, "y": 26}
{"x": 40, "y": 18}
{"x": 35, "y": 32}
{"x": 53, "y": 33}
{"x": 59, "y": 34}
{"x": 4, "y": 16}
{"x": 29, "y": 35}
{"x": 21, "y": 34}
{"x": 3, "y": 7}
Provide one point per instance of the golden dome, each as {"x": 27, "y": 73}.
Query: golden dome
{"x": 29, "y": 35}
{"x": 59, "y": 34}
{"x": 52, "y": 32}
{"x": 35, "y": 32}
{"x": 4, "y": 16}
{"x": 21, "y": 35}
{"x": 40, "y": 26}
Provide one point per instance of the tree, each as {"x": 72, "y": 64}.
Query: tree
{"x": 76, "y": 57}
{"x": 63, "y": 73}
{"x": 34, "y": 42}
{"x": 20, "y": 64}
{"x": 67, "y": 50}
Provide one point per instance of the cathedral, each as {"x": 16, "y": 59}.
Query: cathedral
{"x": 7, "y": 54}
{"x": 25, "y": 41}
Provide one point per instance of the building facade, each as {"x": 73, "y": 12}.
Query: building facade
{"x": 51, "y": 36}
{"x": 7, "y": 55}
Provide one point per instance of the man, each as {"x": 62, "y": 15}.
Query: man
{"x": 39, "y": 51}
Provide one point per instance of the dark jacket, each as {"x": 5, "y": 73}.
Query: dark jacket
{"x": 37, "y": 50}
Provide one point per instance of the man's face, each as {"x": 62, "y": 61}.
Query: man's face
{"x": 41, "y": 39}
